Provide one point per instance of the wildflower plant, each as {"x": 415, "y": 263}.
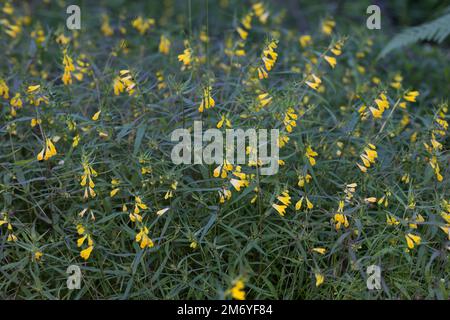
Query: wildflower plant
{"x": 86, "y": 175}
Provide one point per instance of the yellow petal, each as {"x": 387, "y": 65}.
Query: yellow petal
{"x": 96, "y": 115}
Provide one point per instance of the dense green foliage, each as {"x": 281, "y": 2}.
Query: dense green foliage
{"x": 200, "y": 246}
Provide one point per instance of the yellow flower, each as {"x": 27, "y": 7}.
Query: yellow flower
{"x": 309, "y": 204}
{"x": 34, "y": 122}
{"x": 80, "y": 229}
{"x": 262, "y": 73}
{"x": 118, "y": 86}
{"x": 164, "y": 45}
{"x": 299, "y": 203}
{"x": 16, "y": 101}
{"x": 186, "y": 56}
{"x": 47, "y": 151}
{"x": 314, "y": 85}
{"x": 412, "y": 240}
{"x": 411, "y": 96}
{"x": 238, "y": 184}
{"x": 207, "y": 100}
{"x": 68, "y": 68}
{"x": 260, "y": 12}
{"x": 368, "y": 157}
{"x": 362, "y": 168}
{"x": 86, "y": 252}
{"x": 114, "y": 192}
{"x": 337, "y": 49}
{"x": 143, "y": 239}
{"x": 285, "y": 198}
{"x": 160, "y": 78}
{"x": 269, "y": 56}
{"x": 376, "y": 80}
{"x": 8, "y": 8}
{"x": 81, "y": 240}
{"x": 135, "y": 217}
{"x": 4, "y": 89}
{"x": 382, "y": 103}
{"x": 340, "y": 220}
{"x": 281, "y": 209}
{"x": 87, "y": 181}
{"x": 319, "y": 279}
{"x": 76, "y": 140}
{"x": 310, "y": 154}
{"x": 162, "y": 211}
{"x": 327, "y": 26}
{"x": 264, "y": 99}
{"x": 419, "y": 219}
{"x": 435, "y": 165}
{"x": 446, "y": 229}
{"x": 224, "y": 194}
{"x": 376, "y": 112}
{"x": 305, "y": 40}
{"x": 11, "y": 30}
{"x": 223, "y": 120}
{"x": 370, "y": 200}
{"x": 289, "y": 120}
{"x": 33, "y": 89}
{"x": 38, "y": 255}
{"x": 320, "y": 250}
{"x": 62, "y": 39}
{"x": 142, "y": 25}
{"x": 446, "y": 217}
{"x": 331, "y": 61}
{"x": 96, "y": 115}
{"x": 237, "y": 291}
{"x": 247, "y": 21}
{"x": 361, "y": 69}
{"x": 139, "y": 205}
{"x": 391, "y": 220}
{"x": 222, "y": 169}
{"x": 242, "y": 33}
{"x": 106, "y": 28}
{"x": 304, "y": 179}
{"x": 124, "y": 82}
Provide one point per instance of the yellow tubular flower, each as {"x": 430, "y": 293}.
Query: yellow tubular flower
{"x": 106, "y": 28}
{"x": 412, "y": 240}
{"x": 310, "y": 154}
{"x": 4, "y": 89}
{"x": 237, "y": 291}
{"x": 143, "y": 239}
{"x": 207, "y": 100}
{"x": 85, "y": 254}
{"x": 314, "y": 85}
{"x": 262, "y": 74}
{"x": 320, "y": 250}
{"x": 47, "y": 151}
{"x": 328, "y": 26}
{"x": 285, "y": 198}
{"x": 320, "y": 278}
{"x": 411, "y": 96}
{"x": 281, "y": 209}
{"x": 331, "y": 61}
{"x": 96, "y": 115}
{"x": 242, "y": 33}
{"x": 186, "y": 56}
{"x": 164, "y": 45}
{"x": 305, "y": 40}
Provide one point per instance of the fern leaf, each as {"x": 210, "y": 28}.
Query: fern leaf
{"x": 436, "y": 30}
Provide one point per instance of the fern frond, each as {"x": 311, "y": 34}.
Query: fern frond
{"x": 436, "y": 30}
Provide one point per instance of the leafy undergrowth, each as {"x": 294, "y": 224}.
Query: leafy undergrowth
{"x": 87, "y": 178}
